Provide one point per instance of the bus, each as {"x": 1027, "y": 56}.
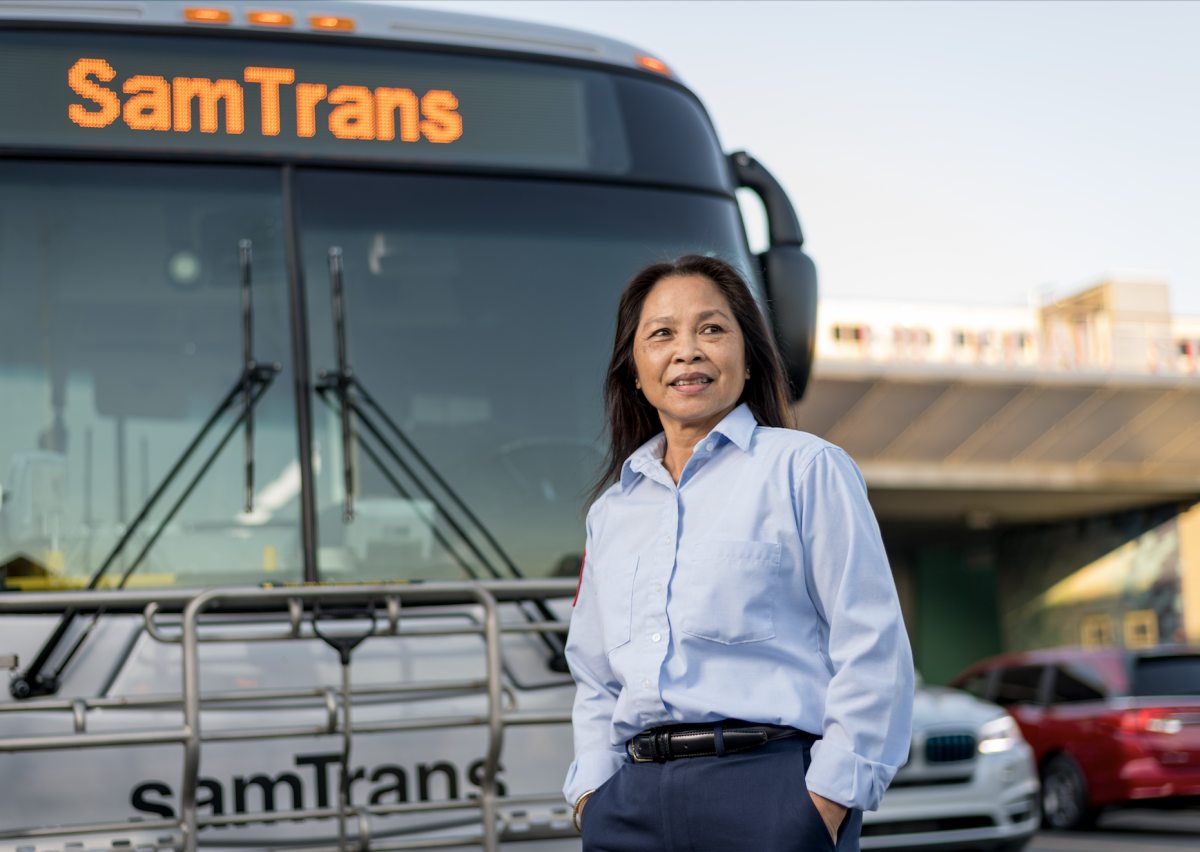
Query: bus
{"x": 304, "y": 316}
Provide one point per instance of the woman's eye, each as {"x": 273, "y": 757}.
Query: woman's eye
{"x": 711, "y": 328}
{"x": 661, "y": 332}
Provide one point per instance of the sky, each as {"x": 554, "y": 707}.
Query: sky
{"x": 989, "y": 153}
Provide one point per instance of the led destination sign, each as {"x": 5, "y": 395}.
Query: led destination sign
{"x": 161, "y": 105}
{"x": 168, "y": 93}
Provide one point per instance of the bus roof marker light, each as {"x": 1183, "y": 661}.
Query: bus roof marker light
{"x": 330, "y": 22}
{"x": 270, "y": 19}
{"x": 207, "y": 15}
{"x": 652, "y": 64}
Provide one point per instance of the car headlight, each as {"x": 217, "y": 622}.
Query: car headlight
{"x": 999, "y": 735}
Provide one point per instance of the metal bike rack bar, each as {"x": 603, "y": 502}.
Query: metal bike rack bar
{"x": 485, "y": 594}
{"x": 142, "y": 702}
{"x": 58, "y": 830}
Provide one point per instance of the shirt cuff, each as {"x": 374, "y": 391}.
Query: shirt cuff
{"x": 590, "y": 770}
{"x": 847, "y": 778}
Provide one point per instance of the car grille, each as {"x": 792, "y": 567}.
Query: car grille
{"x": 929, "y": 782}
{"x": 951, "y": 748}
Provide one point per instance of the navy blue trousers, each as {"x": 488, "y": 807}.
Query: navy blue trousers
{"x": 754, "y": 800}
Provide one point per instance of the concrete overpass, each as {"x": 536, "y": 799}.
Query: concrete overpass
{"x": 984, "y": 447}
{"x": 986, "y": 416}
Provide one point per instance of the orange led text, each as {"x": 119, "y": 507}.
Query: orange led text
{"x": 353, "y": 112}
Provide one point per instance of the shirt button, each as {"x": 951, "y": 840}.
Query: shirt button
{"x": 658, "y": 587}
{"x": 656, "y": 637}
{"x": 667, "y": 540}
{"x": 708, "y": 446}
{"x": 646, "y": 684}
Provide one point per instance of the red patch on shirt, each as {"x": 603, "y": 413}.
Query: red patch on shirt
{"x": 582, "y": 562}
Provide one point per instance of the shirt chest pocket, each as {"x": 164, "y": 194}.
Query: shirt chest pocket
{"x": 728, "y": 589}
{"x": 615, "y": 591}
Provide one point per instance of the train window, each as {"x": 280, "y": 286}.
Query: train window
{"x": 1019, "y": 685}
{"x": 1074, "y": 683}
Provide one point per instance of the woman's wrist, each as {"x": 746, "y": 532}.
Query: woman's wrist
{"x": 579, "y": 803}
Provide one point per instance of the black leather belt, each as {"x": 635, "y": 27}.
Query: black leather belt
{"x": 658, "y": 745}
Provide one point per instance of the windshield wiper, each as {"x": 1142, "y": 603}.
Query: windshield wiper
{"x": 250, "y": 387}
{"x": 343, "y": 388}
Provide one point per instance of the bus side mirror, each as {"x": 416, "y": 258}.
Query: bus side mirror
{"x": 791, "y": 279}
{"x": 789, "y": 274}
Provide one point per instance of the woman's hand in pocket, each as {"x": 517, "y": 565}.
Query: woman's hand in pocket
{"x": 830, "y": 811}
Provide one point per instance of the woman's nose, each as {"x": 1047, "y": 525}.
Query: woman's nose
{"x": 689, "y": 351}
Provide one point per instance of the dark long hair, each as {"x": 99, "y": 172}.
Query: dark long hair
{"x": 629, "y": 417}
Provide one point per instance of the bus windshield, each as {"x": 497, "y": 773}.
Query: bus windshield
{"x": 479, "y": 315}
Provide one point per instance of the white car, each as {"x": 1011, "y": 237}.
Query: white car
{"x": 970, "y": 781}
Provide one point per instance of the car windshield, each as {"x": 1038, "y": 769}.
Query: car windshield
{"x": 1174, "y": 675}
{"x": 480, "y": 315}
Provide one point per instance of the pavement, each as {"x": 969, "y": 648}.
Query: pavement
{"x": 1127, "y": 831}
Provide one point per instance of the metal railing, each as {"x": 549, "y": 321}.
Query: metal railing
{"x": 486, "y": 595}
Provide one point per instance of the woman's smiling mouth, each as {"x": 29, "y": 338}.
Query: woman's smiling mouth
{"x": 691, "y": 383}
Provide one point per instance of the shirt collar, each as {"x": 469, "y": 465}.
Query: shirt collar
{"x": 738, "y": 426}
{"x": 648, "y": 454}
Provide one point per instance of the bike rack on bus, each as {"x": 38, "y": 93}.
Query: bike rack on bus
{"x": 485, "y": 594}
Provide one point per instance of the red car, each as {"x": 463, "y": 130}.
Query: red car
{"x": 1108, "y": 727}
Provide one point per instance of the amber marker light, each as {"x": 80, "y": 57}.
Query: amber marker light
{"x": 270, "y": 19}
{"x": 330, "y": 22}
{"x": 206, "y": 15}
{"x": 652, "y": 64}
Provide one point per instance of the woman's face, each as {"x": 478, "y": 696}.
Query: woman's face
{"x": 689, "y": 352}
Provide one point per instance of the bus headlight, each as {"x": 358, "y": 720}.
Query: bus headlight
{"x": 998, "y": 735}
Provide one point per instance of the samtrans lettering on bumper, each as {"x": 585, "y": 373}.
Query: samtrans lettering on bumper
{"x": 387, "y": 783}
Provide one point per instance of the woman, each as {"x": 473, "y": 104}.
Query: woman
{"x": 744, "y": 678}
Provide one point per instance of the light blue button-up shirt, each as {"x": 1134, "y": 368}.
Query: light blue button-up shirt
{"x": 757, "y": 589}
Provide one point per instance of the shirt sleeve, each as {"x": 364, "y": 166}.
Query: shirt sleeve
{"x": 868, "y": 706}
{"x": 597, "y": 690}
